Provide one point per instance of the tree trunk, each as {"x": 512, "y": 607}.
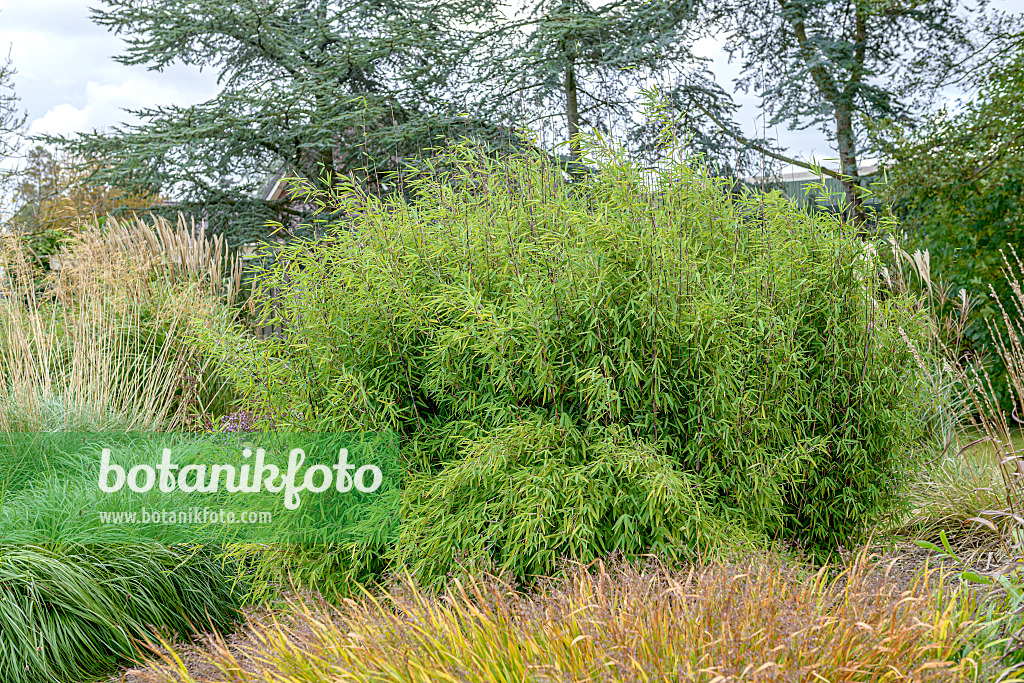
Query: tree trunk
{"x": 848, "y": 164}
{"x": 840, "y": 99}
{"x": 327, "y": 166}
{"x": 325, "y": 162}
{"x": 572, "y": 112}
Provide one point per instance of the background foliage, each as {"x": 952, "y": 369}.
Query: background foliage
{"x": 311, "y": 88}
{"x": 958, "y": 182}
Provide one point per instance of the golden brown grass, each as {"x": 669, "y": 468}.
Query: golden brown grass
{"x": 101, "y": 343}
{"x": 181, "y": 253}
{"x": 760, "y": 619}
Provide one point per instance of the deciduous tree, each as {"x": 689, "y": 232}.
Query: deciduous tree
{"x": 52, "y": 194}
{"x": 839, "y": 64}
{"x": 12, "y": 120}
{"x": 957, "y": 181}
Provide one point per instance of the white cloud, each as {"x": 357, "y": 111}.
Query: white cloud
{"x": 103, "y": 104}
{"x": 99, "y": 105}
{"x": 67, "y": 79}
{"x": 61, "y": 119}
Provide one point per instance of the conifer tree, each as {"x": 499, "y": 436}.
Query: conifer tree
{"x": 843, "y": 64}
{"x": 313, "y": 88}
{"x": 575, "y": 65}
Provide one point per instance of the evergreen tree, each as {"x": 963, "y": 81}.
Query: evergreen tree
{"x": 313, "y": 88}
{"x": 573, "y": 65}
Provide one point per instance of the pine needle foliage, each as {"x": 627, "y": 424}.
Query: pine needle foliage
{"x": 635, "y": 361}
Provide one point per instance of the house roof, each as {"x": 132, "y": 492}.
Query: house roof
{"x": 277, "y": 187}
{"x": 802, "y": 176}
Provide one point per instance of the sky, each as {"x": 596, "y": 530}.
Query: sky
{"x": 66, "y": 77}
{"x": 68, "y": 81}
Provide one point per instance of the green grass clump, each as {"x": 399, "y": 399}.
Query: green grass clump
{"x": 633, "y": 361}
{"x": 75, "y": 613}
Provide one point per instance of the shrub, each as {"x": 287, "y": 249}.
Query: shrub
{"x": 558, "y": 492}
{"x": 643, "y": 357}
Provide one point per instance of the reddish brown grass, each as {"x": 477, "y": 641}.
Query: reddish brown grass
{"x": 760, "y": 619}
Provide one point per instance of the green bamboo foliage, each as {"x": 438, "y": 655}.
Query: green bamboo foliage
{"x": 633, "y": 362}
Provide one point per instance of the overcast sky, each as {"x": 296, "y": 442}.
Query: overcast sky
{"x": 68, "y": 82}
